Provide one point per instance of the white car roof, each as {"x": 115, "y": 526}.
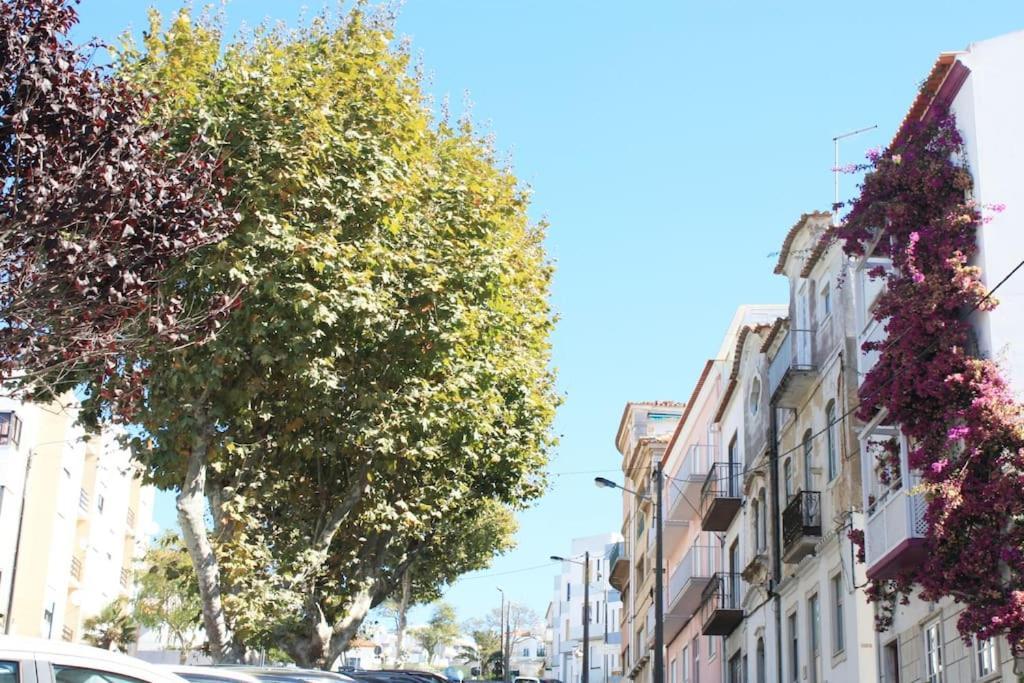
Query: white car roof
{"x": 219, "y": 672}
{"x": 71, "y": 654}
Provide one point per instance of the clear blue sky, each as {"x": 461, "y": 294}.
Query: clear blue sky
{"x": 671, "y": 144}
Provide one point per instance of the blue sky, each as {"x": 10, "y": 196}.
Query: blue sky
{"x": 671, "y": 145}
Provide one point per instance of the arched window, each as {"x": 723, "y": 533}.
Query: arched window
{"x": 762, "y": 527}
{"x": 830, "y": 440}
{"x": 756, "y": 506}
{"x": 808, "y": 461}
{"x": 760, "y": 673}
{"x": 754, "y": 399}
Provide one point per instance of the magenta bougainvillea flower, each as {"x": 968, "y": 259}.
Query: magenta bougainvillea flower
{"x": 965, "y": 428}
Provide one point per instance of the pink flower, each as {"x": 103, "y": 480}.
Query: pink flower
{"x": 957, "y": 433}
{"x": 939, "y": 466}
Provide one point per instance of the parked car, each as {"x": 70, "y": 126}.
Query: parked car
{"x": 209, "y": 674}
{"x": 287, "y": 674}
{"x": 34, "y": 660}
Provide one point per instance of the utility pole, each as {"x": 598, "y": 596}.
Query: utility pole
{"x": 585, "y": 678}
{"x": 659, "y": 582}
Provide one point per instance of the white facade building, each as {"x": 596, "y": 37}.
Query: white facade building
{"x": 983, "y": 87}
{"x": 565, "y": 616}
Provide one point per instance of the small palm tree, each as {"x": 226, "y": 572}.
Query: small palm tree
{"x": 113, "y": 628}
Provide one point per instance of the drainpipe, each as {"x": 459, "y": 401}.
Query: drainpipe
{"x": 773, "y": 471}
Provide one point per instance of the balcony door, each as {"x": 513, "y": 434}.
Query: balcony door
{"x": 733, "y": 599}
{"x": 802, "y": 342}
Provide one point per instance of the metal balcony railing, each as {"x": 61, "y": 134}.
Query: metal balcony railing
{"x": 721, "y": 608}
{"x": 802, "y": 517}
{"x": 720, "y": 496}
{"x": 795, "y": 355}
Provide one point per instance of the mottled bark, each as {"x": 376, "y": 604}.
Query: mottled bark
{"x": 191, "y": 506}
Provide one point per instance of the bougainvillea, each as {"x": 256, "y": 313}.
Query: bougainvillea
{"x": 966, "y": 432}
{"x": 94, "y": 211}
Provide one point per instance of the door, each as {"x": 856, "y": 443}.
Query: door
{"x": 814, "y": 637}
{"x": 802, "y": 341}
{"x": 734, "y": 576}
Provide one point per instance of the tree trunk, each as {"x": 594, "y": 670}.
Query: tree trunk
{"x": 403, "y": 615}
{"x": 191, "y": 506}
{"x": 345, "y": 629}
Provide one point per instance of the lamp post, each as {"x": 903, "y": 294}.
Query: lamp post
{"x": 585, "y": 675}
{"x": 501, "y": 634}
{"x": 659, "y": 561}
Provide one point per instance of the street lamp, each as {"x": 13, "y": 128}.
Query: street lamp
{"x": 659, "y": 561}
{"x": 585, "y": 677}
{"x": 501, "y": 635}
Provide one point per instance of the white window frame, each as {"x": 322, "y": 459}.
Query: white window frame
{"x": 685, "y": 657}
{"x": 986, "y": 650}
{"x": 934, "y": 667}
{"x": 838, "y": 630}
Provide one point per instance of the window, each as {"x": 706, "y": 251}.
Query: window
{"x": 8, "y": 672}
{"x": 99, "y": 503}
{"x": 672, "y": 671}
{"x": 754, "y": 400}
{"x": 787, "y": 479}
{"x": 735, "y": 669}
{"x": 526, "y": 652}
{"x": 686, "y": 663}
{"x": 711, "y": 648}
{"x": 74, "y": 674}
{"x": 568, "y": 592}
{"x": 733, "y": 474}
{"x": 808, "y": 461}
{"x": 762, "y": 526}
{"x": 985, "y": 654}
{"x": 826, "y": 301}
{"x": 756, "y": 513}
{"x": 838, "y": 635}
{"x": 794, "y": 649}
{"x": 814, "y": 635}
{"x": 830, "y": 440}
{"x": 760, "y": 662}
{"x": 933, "y": 653}
{"x": 10, "y": 429}
{"x": 695, "y": 647}
{"x": 891, "y": 662}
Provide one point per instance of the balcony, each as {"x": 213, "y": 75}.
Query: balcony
{"x": 672, "y": 533}
{"x": 874, "y": 331}
{"x": 721, "y": 608}
{"x": 684, "y": 487}
{"x": 76, "y": 569}
{"x": 618, "y": 560}
{"x": 720, "y": 496}
{"x": 686, "y": 585}
{"x": 801, "y": 526}
{"x": 894, "y": 534}
{"x": 792, "y": 373}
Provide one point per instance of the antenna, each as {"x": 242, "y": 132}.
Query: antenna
{"x": 835, "y": 169}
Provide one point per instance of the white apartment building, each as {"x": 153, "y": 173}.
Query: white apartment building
{"x": 982, "y": 87}
{"x": 74, "y": 519}
{"x": 565, "y": 615}
{"x": 823, "y": 622}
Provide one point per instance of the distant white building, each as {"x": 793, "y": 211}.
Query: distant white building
{"x": 565, "y": 616}
{"x": 528, "y": 656}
